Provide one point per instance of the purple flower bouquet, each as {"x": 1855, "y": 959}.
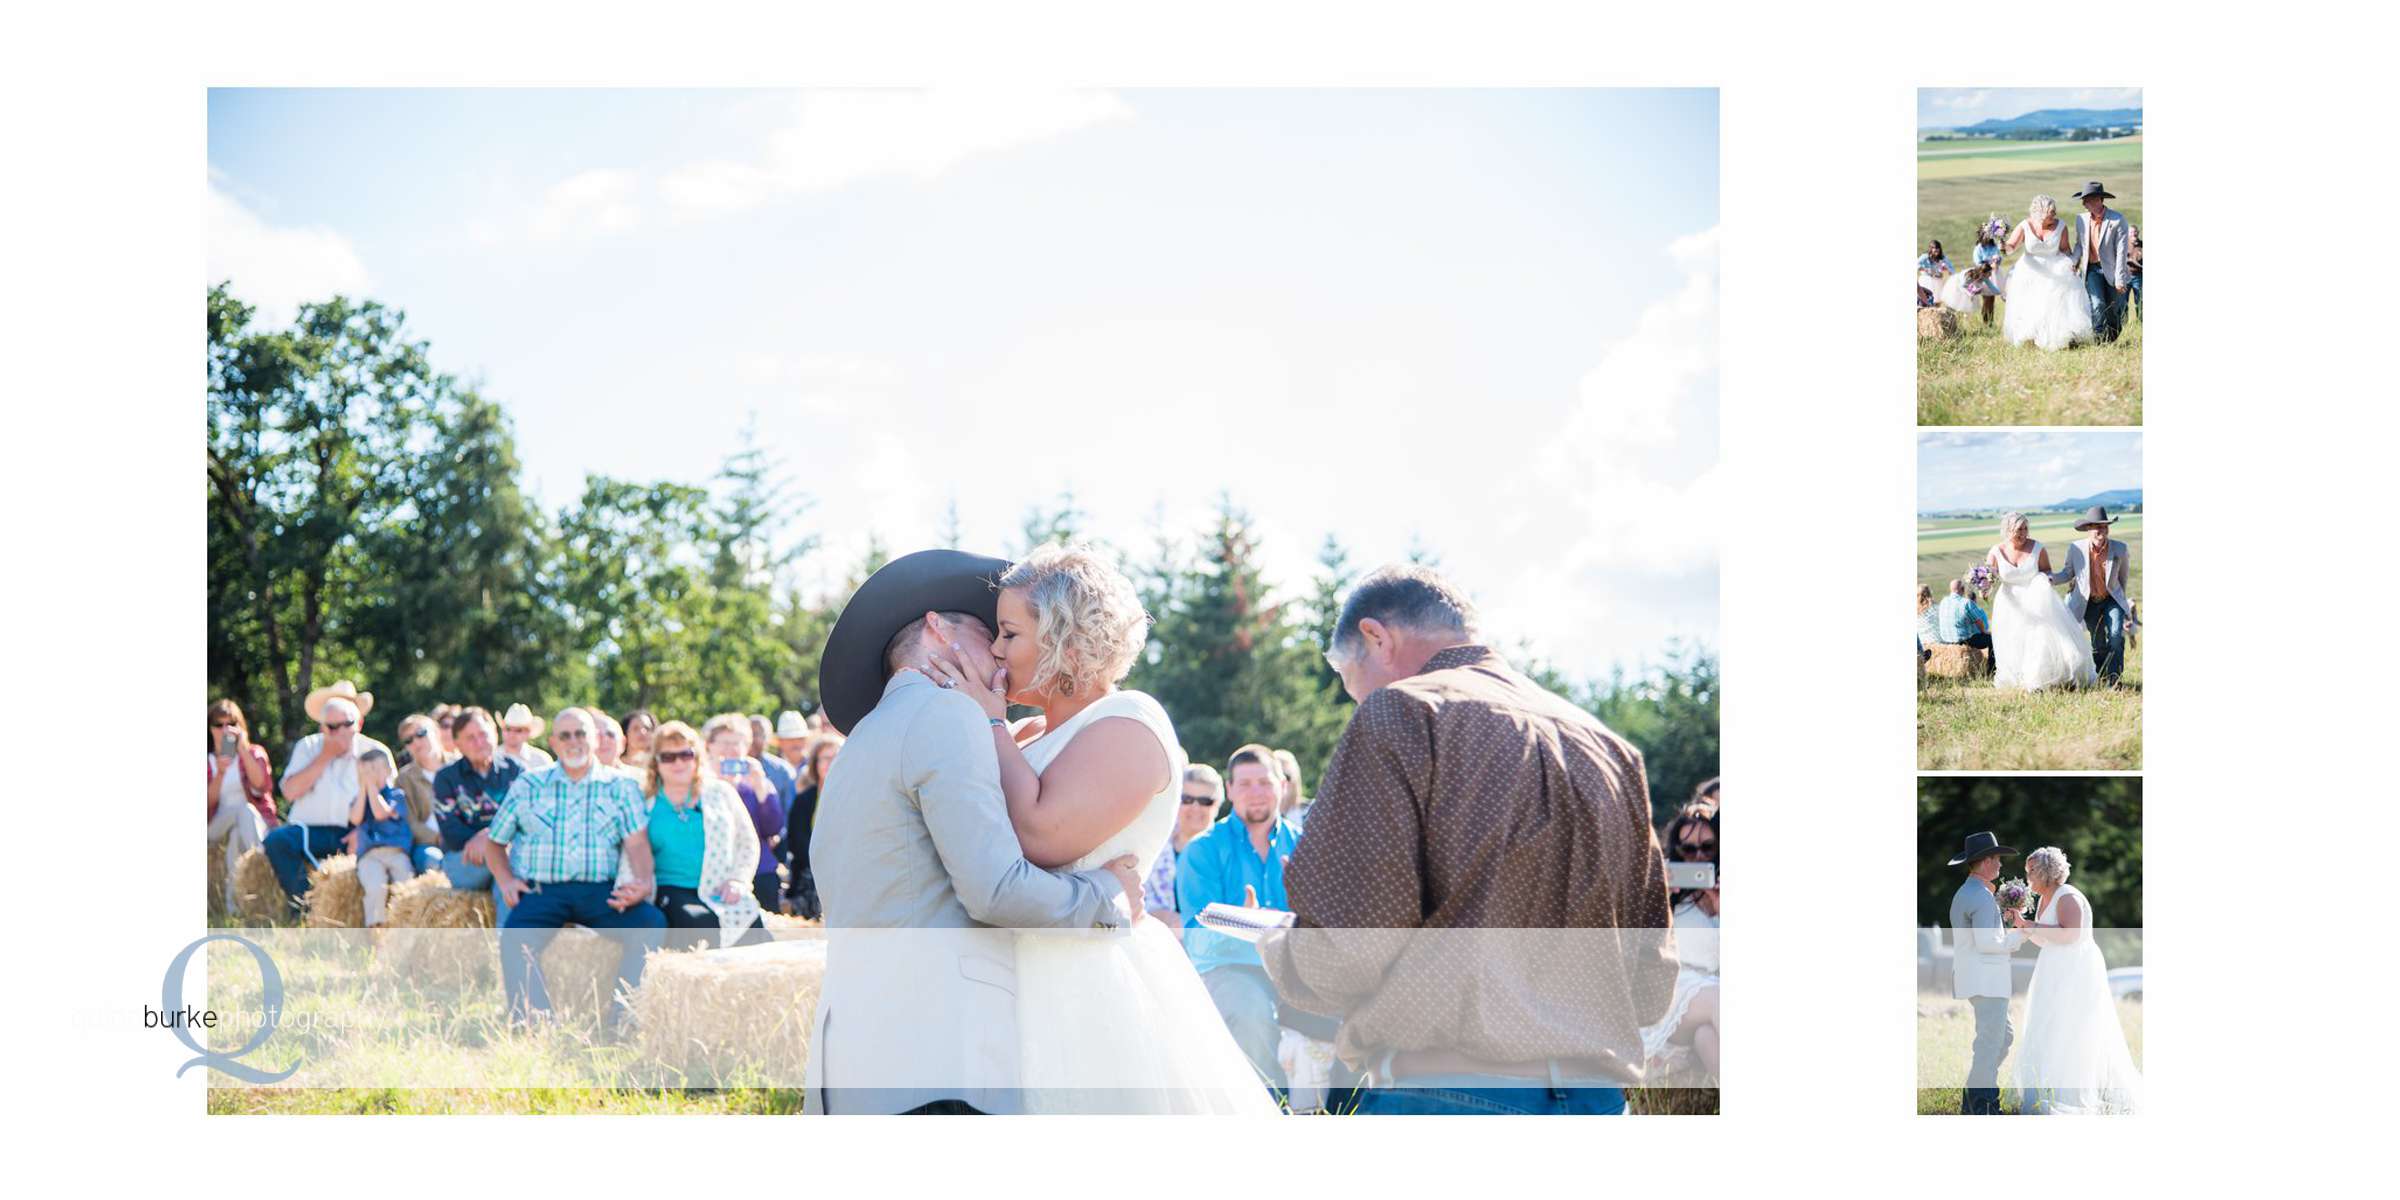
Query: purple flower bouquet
{"x": 2012, "y": 894}
{"x": 1981, "y": 578}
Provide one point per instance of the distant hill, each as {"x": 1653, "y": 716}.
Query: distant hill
{"x": 2115, "y": 500}
{"x": 2120, "y": 498}
{"x": 2045, "y": 120}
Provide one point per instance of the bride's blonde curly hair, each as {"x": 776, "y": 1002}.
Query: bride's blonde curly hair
{"x": 2049, "y": 862}
{"x": 2041, "y": 206}
{"x": 1089, "y": 624}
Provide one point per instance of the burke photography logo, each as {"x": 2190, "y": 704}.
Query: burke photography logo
{"x": 183, "y": 1019}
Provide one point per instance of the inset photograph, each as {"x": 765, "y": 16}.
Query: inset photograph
{"x": 2029, "y": 946}
{"x": 2029, "y": 256}
{"x": 2028, "y": 604}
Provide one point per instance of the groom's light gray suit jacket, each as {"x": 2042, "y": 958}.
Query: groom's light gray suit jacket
{"x": 1979, "y": 944}
{"x": 2078, "y": 571}
{"x": 916, "y": 865}
{"x": 2116, "y": 245}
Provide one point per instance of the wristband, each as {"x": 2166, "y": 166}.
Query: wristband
{"x": 997, "y": 723}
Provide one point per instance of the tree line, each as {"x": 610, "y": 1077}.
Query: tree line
{"x": 365, "y": 521}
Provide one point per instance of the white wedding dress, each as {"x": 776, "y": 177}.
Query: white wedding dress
{"x": 2073, "y": 1059}
{"x": 2046, "y": 304}
{"x": 1121, "y": 1023}
{"x": 2036, "y": 642}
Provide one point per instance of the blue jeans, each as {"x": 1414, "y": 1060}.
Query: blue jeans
{"x": 2107, "y": 304}
{"x": 290, "y": 847}
{"x": 425, "y": 857}
{"x": 2106, "y": 623}
{"x": 1489, "y": 1095}
{"x": 1245, "y": 997}
{"x": 467, "y": 877}
{"x": 537, "y": 919}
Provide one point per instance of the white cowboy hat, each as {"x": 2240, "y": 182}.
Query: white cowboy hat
{"x": 791, "y": 724}
{"x": 518, "y": 714}
{"x": 345, "y": 690}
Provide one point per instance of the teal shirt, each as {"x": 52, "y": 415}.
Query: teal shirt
{"x": 676, "y": 842}
{"x": 1214, "y": 869}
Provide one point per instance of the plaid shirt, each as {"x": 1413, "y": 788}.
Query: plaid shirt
{"x": 561, "y": 830}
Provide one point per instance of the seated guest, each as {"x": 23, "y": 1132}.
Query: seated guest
{"x": 384, "y": 831}
{"x": 800, "y": 822}
{"x": 425, "y": 760}
{"x": 703, "y": 845}
{"x": 241, "y": 787}
{"x": 466, "y": 795}
{"x": 1295, "y": 799}
{"x": 728, "y": 744}
{"x": 791, "y": 738}
{"x": 637, "y": 724}
{"x": 443, "y": 715}
{"x": 1203, "y": 790}
{"x": 518, "y": 727}
{"x": 781, "y": 772}
{"x": 1928, "y": 621}
{"x": 1236, "y": 862}
{"x": 1691, "y": 1018}
{"x": 608, "y": 742}
{"x": 1960, "y": 621}
{"x": 555, "y": 844}
{"x": 320, "y": 782}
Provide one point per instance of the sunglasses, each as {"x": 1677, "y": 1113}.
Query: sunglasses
{"x": 220, "y": 724}
{"x": 1708, "y": 847}
{"x": 1199, "y": 799}
{"x": 340, "y": 727}
{"x": 676, "y": 756}
{"x": 527, "y": 730}
{"x": 568, "y": 735}
{"x": 419, "y": 735}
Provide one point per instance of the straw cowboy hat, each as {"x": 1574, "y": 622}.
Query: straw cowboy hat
{"x": 791, "y": 724}
{"x": 518, "y": 714}
{"x": 2093, "y": 518}
{"x": 850, "y": 679}
{"x": 345, "y": 690}
{"x": 1980, "y": 845}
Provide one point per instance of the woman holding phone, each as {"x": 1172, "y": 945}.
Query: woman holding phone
{"x": 1691, "y": 1018}
{"x": 727, "y": 736}
{"x": 241, "y": 787}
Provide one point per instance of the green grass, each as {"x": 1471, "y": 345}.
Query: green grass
{"x": 1946, "y": 1039}
{"x": 1978, "y": 378}
{"x": 1969, "y": 725}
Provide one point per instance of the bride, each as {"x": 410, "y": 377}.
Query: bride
{"x": 1106, "y": 1023}
{"x": 2036, "y": 643}
{"x": 2046, "y": 304}
{"x": 2074, "y": 1058}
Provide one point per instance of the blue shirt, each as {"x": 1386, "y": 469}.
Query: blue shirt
{"x": 786, "y": 780}
{"x": 677, "y": 842}
{"x": 465, "y": 799}
{"x": 1214, "y": 869}
{"x": 1959, "y": 619}
{"x": 1986, "y": 253}
{"x": 386, "y": 831}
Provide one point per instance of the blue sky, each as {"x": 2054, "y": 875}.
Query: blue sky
{"x": 1483, "y": 322}
{"x": 1948, "y": 108}
{"x": 1958, "y": 469}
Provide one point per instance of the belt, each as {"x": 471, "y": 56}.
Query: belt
{"x": 1414, "y": 1064}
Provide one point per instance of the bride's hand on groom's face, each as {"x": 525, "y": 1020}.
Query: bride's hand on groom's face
{"x": 950, "y": 668}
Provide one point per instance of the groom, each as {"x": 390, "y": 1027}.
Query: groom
{"x": 2106, "y": 265}
{"x": 1981, "y": 940}
{"x": 917, "y": 866}
{"x": 2097, "y": 566}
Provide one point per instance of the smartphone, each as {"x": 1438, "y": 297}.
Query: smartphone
{"x": 733, "y": 768}
{"x": 1691, "y": 876}
{"x": 226, "y": 744}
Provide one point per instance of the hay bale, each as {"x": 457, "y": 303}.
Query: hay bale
{"x": 747, "y": 1009}
{"x": 580, "y": 968}
{"x": 335, "y": 900}
{"x": 216, "y": 878}
{"x": 257, "y": 899}
{"x": 1936, "y": 324}
{"x": 440, "y": 937}
{"x": 1957, "y": 662}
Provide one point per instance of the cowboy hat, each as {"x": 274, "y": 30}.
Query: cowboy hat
{"x": 518, "y": 714}
{"x": 1981, "y": 845}
{"x": 2093, "y": 518}
{"x": 850, "y": 678}
{"x": 2094, "y": 189}
{"x": 791, "y": 724}
{"x": 345, "y": 690}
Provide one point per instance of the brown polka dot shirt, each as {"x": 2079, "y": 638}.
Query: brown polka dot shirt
{"x": 1479, "y": 878}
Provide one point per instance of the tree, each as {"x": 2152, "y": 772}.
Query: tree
{"x": 1670, "y": 714}
{"x": 2097, "y": 821}
{"x": 1042, "y": 527}
{"x": 756, "y": 506}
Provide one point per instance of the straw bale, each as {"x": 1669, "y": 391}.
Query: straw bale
{"x": 712, "y": 1013}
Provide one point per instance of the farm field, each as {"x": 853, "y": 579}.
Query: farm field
{"x": 1978, "y": 378}
{"x": 1969, "y": 725}
{"x": 1945, "y": 1045}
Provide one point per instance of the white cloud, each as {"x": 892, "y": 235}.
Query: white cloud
{"x": 276, "y": 270}
{"x": 836, "y": 138}
{"x": 589, "y": 203}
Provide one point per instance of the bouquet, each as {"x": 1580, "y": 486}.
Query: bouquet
{"x": 2012, "y": 894}
{"x": 1981, "y": 579}
{"x": 1995, "y": 229}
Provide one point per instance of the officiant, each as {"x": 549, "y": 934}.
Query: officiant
{"x": 1463, "y": 797}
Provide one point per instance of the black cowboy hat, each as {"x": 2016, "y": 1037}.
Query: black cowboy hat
{"x": 850, "y": 678}
{"x": 2093, "y": 517}
{"x": 2094, "y": 189}
{"x": 1981, "y": 845}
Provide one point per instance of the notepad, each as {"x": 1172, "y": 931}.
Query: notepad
{"x": 1248, "y": 924}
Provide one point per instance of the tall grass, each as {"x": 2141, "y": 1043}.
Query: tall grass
{"x": 1970, "y": 725}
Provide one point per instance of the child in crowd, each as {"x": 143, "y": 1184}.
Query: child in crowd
{"x": 381, "y": 816}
